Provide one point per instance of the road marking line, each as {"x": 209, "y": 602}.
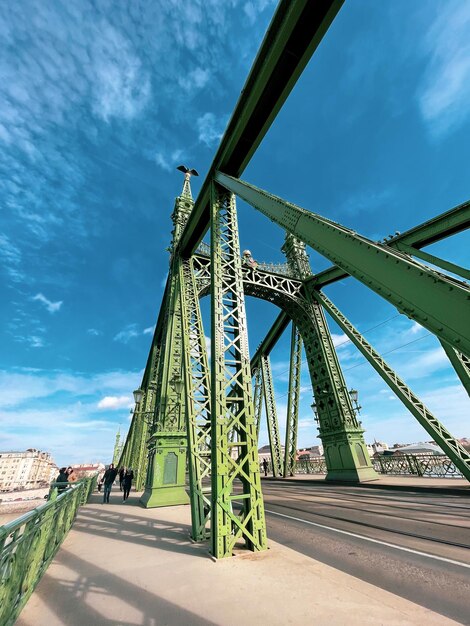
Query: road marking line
{"x": 383, "y": 543}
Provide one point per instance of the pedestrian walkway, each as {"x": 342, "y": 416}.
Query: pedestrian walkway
{"x": 126, "y": 565}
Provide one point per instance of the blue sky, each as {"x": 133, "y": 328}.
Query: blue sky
{"x": 99, "y": 101}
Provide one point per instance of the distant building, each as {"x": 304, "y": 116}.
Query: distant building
{"x": 376, "y": 448}
{"x": 89, "y": 469}
{"x": 419, "y": 448}
{"x": 310, "y": 453}
{"x": 26, "y": 470}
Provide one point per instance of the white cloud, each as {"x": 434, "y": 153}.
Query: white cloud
{"x": 415, "y": 328}
{"x": 210, "y": 128}
{"x": 148, "y": 331}
{"x": 115, "y": 402}
{"x": 445, "y": 91}
{"x": 196, "y": 79}
{"x": 169, "y": 160}
{"x": 94, "y": 332}
{"x": 340, "y": 340}
{"x": 128, "y": 333}
{"x": 121, "y": 87}
{"x": 52, "y": 307}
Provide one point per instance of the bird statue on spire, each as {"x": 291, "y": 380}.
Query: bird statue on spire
{"x": 187, "y": 175}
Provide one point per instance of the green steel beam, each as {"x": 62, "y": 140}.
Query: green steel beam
{"x": 271, "y": 417}
{"x": 292, "y": 422}
{"x": 454, "y": 221}
{"x": 460, "y": 363}
{"x": 197, "y": 385}
{"x": 270, "y": 340}
{"x": 435, "y": 260}
{"x": 235, "y": 479}
{"x": 293, "y": 35}
{"x": 437, "y": 302}
{"x": 451, "y": 446}
{"x": 257, "y": 397}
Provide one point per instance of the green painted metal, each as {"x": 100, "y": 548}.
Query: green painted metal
{"x": 257, "y": 396}
{"x": 437, "y": 302}
{"x": 449, "y": 223}
{"x": 271, "y": 417}
{"x": 460, "y": 363}
{"x": 117, "y": 448}
{"x": 292, "y": 421}
{"x": 198, "y": 416}
{"x": 342, "y": 436}
{"x": 164, "y": 444}
{"x": 452, "y": 447}
{"x": 28, "y": 544}
{"x": 293, "y": 35}
{"x": 431, "y": 258}
{"x": 230, "y": 370}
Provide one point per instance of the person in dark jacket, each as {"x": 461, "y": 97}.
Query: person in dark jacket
{"x": 108, "y": 480}
{"x": 127, "y": 483}
{"x": 63, "y": 477}
{"x": 122, "y": 471}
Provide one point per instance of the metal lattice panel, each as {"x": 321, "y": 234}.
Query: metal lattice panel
{"x": 271, "y": 416}
{"x": 431, "y": 424}
{"x": 290, "y": 450}
{"x": 231, "y": 383}
{"x": 197, "y": 386}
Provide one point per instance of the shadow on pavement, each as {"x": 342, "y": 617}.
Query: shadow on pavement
{"x": 74, "y": 602}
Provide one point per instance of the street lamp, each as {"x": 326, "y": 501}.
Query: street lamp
{"x": 354, "y": 395}
{"x": 315, "y": 411}
{"x": 177, "y": 383}
{"x": 138, "y": 395}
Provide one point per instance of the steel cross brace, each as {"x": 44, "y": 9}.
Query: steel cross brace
{"x": 455, "y": 451}
{"x": 230, "y": 370}
{"x": 437, "y": 302}
{"x": 197, "y": 385}
{"x": 271, "y": 416}
{"x": 290, "y": 450}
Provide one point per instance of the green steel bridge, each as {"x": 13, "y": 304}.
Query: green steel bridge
{"x": 207, "y": 418}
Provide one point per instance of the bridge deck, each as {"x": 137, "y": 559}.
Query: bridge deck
{"x": 122, "y": 564}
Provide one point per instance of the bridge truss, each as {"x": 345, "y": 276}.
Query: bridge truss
{"x": 207, "y": 416}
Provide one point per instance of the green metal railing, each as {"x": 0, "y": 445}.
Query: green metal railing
{"x": 428, "y": 465}
{"x": 29, "y": 543}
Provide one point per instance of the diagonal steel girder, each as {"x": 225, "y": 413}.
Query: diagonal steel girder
{"x": 454, "y": 221}
{"x": 437, "y": 302}
{"x": 293, "y": 35}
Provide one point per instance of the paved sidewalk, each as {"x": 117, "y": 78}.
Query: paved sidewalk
{"x": 122, "y": 564}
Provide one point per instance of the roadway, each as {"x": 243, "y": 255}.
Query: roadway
{"x": 412, "y": 543}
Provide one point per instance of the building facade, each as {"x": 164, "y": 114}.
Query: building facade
{"x": 26, "y": 470}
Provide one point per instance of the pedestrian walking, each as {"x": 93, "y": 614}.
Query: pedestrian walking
{"x": 127, "y": 483}
{"x": 265, "y": 466}
{"x": 63, "y": 477}
{"x": 72, "y": 476}
{"x": 108, "y": 480}
{"x": 122, "y": 471}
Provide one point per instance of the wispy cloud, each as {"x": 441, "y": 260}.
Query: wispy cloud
{"x": 94, "y": 332}
{"x": 445, "y": 91}
{"x": 148, "y": 331}
{"x": 210, "y": 128}
{"x": 115, "y": 402}
{"x": 128, "y": 333}
{"x": 52, "y": 307}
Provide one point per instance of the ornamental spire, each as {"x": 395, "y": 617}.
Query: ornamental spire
{"x": 186, "y": 193}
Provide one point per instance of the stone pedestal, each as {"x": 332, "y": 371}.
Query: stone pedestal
{"x": 346, "y": 456}
{"x": 166, "y": 473}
